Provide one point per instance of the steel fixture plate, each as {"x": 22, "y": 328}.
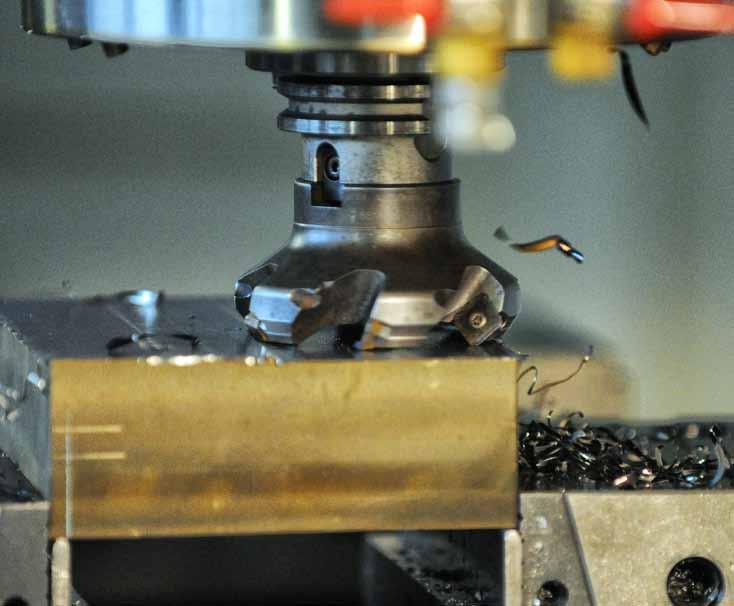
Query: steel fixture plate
{"x": 610, "y": 548}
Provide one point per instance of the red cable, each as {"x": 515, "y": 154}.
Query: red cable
{"x": 383, "y": 12}
{"x": 653, "y": 19}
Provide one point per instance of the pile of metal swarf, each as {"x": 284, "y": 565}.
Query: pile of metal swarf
{"x": 574, "y": 454}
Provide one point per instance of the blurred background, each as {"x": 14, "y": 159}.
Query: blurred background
{"x": 164, "y": 169}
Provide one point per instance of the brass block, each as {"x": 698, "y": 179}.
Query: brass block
{"x": 207, "y": 445}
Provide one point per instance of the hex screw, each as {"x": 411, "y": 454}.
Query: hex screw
{"x": 477, "y": 320}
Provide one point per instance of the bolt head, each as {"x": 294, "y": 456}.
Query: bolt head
{"x": 477, "y": 320}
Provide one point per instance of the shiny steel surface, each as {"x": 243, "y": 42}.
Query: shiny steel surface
{"x": 282, "y": 25}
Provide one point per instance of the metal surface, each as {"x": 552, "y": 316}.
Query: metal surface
{"x": 283, "y": 25}
{"x": 611, "y": 548}
{"x": 23, "y": 545}
{"x": 173, "y": 442}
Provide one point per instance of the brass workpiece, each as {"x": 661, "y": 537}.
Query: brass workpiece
{"x": 204, "y": 446}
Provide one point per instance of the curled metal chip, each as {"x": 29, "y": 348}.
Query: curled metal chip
{"x": 542, "y": 244}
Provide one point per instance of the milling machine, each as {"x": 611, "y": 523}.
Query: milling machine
{"x": 345, "y": 432}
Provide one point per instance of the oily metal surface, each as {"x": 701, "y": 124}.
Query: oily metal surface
{"x": 276, "y": 25}
{"x": 144, "y": 447}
